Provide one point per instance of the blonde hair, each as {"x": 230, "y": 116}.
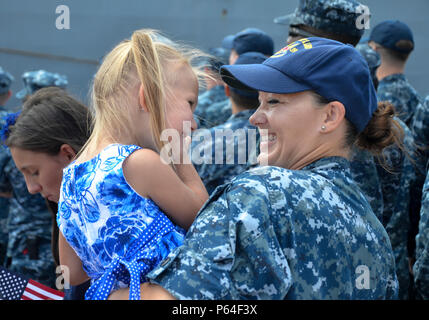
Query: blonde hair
{"x": 143, "y": 59}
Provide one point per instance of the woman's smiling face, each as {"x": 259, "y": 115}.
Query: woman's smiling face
{"x": 292, "y": 123}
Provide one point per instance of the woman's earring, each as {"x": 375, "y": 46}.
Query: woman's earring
{"x": 323, "y": 128}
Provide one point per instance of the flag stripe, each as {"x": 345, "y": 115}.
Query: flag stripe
{"x": 30, "y": 296}
{"x": 35, "y": 293}
{"x": 46, "y": 291}
{"x": 45, "y": 288}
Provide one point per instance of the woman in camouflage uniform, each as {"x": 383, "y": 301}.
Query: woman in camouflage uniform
{"x": 298, "y": 228}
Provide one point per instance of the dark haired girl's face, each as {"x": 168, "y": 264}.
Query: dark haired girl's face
{"x": 42, "y": 172}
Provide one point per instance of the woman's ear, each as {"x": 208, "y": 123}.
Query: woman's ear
{"x": 67, "y": 152}
{"x": 142, "y": 101}
{"x": 333, "y": 116}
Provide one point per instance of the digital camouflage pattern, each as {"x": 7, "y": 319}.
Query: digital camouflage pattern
{"x": 420, "y": 129}
{"x": 244, "y": 150}
{"x": 364, "y": 172}
{"x": 205, "y": 100}
{"x": 29, "y": 227}
{"x": 215, "y": 114}
{"x": 372, "y": 58}
{"x": 398, "y": 91}
{"x": 421, "y": 266}
{"x": 335, "y": 16}
{"x": 4, "y": 202}
{"x": 35, "y": 80}
{"x": 419, "y": 190}
{"x": 273, "y": 233}
{"x": 395, "y": 182}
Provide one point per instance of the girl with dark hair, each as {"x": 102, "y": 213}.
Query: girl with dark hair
{"x": 47, "y": 135}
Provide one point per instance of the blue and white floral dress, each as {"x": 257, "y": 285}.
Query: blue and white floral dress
{"x": 119, "y": 235}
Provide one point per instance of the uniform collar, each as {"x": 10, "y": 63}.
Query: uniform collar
{"x": 394, "y": 77}
{"x": 329, "y": 163}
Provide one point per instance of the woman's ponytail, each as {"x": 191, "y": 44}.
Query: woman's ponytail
{"x": 381, "y": 131}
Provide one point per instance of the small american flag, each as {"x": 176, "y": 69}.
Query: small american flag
{"x": 16, "y": 287}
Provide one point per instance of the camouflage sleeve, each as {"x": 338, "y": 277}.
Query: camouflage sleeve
{"x": 420, "y": 128}
{"x": 231, "y": 251}
{"x": 421, "y": 266}
{"x": 220, "y": 162}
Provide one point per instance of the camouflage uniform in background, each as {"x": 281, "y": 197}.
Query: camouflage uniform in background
{"x": 372, "y": 58}
{"x": 334, "y": 16}
{"x": 363, "y": 169}
{"x": 29, "y": 225}
{"x": 246, "y": 143}
{"x": 420, "y": 130}
{"x": 398, "y": 91}
{"x": 6, "y": 80}
{"x": 35, "y": 80}
{"x": 216, "y": 114}
{"x": 396, "y": 198}
{"x": 420, "y": 126}
{"x": 4, "y": 202}
{"x": 205, "y": 100}
{"x": 273, "y": 233}
{"x": 421, "y": 266}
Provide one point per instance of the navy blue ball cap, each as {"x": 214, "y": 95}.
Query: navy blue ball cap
{"x": 227, "y": 41}
{"x": 250, "y": 40}
{"x": 389, "y": 33}
{"x": 334, "y": 70}
{"x": 249, "y": 58}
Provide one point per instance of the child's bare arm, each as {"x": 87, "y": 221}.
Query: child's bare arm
{"x": 69, "y": 258}
{"x": 179, "y": 195}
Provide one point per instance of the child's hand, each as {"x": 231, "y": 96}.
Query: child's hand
{"x": 185, "y": 150}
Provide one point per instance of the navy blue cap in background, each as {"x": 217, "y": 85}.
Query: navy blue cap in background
{"x": 249, "y": 58}
{"x": 388, "y": 34}
{"x": 250, "y": 39}
{"x": 334, "y": 70}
